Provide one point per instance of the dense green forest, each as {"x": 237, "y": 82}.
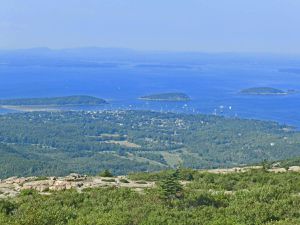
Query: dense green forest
{"x": 57, "y": 101}
{"x": 176, "y": 97}
{"x": 253, "y": 198}
{"x": 58, "y": 143}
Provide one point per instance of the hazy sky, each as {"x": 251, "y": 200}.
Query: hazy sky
{"x": 191, "y": 25}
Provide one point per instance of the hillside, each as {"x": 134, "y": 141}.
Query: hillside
{"x": 174, "y": 97}
{"x": 54, "y": 101}
{"x": 58, "y": 143}
{"x": 169, "y": 197}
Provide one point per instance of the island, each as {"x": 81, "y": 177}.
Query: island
{"x": 173, "y": 97}
{"x": 50, "y": 103}
{"x": 266, "y": 91}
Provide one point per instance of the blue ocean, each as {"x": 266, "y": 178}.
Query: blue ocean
{"x": 214, "y": 89}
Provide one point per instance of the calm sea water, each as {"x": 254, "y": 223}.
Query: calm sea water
{"x": 213, "y": 88}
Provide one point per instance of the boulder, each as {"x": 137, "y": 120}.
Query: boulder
{"x": 294, "y": 169}
{"x": 277, "y": 170}
{"x": 10, "y": 180}
{"x": 75, "y": 177}
{"x": 41, "y": 185}
{"x": 60, "y": 185}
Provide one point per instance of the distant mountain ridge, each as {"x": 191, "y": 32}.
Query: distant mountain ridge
{"x": 92, "y": 56}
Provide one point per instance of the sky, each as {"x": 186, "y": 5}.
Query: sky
{"x": 269, "y": 26}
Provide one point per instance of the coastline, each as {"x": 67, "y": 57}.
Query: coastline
{"x": 30, "y": 108}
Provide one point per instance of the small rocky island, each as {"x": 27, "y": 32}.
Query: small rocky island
{"x": 265, "y": 91}
{"x": 171, "y": 97}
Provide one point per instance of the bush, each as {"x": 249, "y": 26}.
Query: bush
{"x": 7, "y": 207}
{"x": 141, "y": 182}
{"x": 109, "y": 180}
{"x": 28, "y": 192}
{"x": 124, "y": 181}
{"x": 106, "y": 173}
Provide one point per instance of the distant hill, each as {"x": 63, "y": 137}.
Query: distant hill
{"x": 176, "y": 97}
{"x": 55, "y": 101}
{"x": 265, "y": 91}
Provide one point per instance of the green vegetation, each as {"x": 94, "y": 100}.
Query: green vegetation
{"x": 176, "y": 97}
{"x": 170, "y": 187}
{"x": 141, "y": 182}
{"x": 28, "y": 192}
{"x": 41, "y": 178}
{"x": 106, "y": 173}
{"x": 60, "y": 143}
{"x": 263, "y": 91}
{"x": 109, "y": 180}
{"x": 182, "y": 174}
{"x": 124, "y": 181}
{"x": 255, "y": 197}
{"x": 54, "y": 101}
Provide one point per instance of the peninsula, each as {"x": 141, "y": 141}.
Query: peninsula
{"x": 54, "y": 101}
{"x": 49, "y": 104}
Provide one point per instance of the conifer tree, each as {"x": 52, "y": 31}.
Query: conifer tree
{"x": 170, "y": 187}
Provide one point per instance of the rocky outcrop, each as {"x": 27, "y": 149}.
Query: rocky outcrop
{"x": 294, "y": 169}
{"x": 12, "y": 186}
{"x": 277, "y": 170}
{"x": 233, "y": 170}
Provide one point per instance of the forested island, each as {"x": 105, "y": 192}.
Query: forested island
{"x": 265, "y": 91}
{"x": 173, "y": 97}
{"x": 54, "y": 101}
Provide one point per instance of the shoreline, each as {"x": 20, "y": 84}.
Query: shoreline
{"x": 34, "y": 108}
{"x": 30, "y": 108}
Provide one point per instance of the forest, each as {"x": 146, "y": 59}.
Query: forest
{"x": 58, "y": 143}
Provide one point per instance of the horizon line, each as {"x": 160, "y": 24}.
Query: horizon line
{"x": 153, "y": 51}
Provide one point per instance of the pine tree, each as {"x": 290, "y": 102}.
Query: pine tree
{"x": 170, "y": 187}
